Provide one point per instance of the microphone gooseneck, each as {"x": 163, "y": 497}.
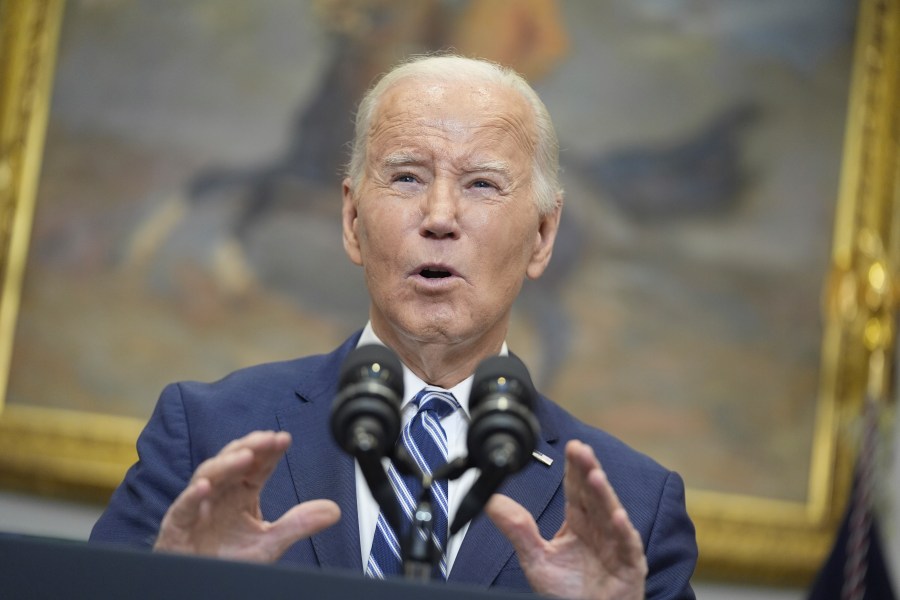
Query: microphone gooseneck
{"x": 503, "y": 431}
{"x": 365, "y": 417}
{"x": 365, "y": 423}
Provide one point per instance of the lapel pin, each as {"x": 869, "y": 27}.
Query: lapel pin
{"x": 540, "y": 456}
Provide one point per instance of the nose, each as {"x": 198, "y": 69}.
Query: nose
{"x": 440, "y": 208}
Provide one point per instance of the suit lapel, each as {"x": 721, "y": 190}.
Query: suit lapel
{"x": 318, "y": 467}
{"x": 485, "y": 550}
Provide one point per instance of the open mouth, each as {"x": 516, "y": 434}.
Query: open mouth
{"x": 434, "y": 273}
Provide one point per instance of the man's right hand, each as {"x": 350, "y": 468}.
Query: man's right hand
{"x": 218, "y": 513}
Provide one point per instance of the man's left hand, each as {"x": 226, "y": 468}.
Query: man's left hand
{"x": 597, "y": 554}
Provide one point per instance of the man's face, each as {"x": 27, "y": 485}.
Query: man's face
{"x": 444, "y": 222}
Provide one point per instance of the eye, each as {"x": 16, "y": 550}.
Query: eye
{"x": 404, "y": 178}
{"x": 481, "y": 183}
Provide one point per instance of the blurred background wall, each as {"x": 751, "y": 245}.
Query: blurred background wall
{"x": 192, "y": 171}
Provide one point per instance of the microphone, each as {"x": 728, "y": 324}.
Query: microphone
{"x": 365, "y": 417}
{"x": 503, "y": 431}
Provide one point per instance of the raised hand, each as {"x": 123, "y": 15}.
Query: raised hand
{"x": 597, "y": 554}
{"x": 218, "y": 513}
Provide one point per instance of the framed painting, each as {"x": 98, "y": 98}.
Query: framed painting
{"x": 721, "y": 292}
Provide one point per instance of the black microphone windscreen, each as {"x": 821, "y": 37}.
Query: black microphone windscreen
{"x": 502, "y": 374}
{"x": 372, "y": 361}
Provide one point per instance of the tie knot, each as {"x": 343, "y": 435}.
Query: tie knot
{"x": 440, "y": 402}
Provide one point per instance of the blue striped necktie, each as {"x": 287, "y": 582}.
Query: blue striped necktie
{"x": 426, "y": 442}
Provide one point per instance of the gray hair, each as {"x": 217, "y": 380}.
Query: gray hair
{"x": 451, "y": 67}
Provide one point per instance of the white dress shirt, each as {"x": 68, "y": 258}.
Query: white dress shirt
{"x": 455, "y": 425}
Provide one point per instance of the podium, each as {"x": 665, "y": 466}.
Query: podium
{"x": 35, "y": 567}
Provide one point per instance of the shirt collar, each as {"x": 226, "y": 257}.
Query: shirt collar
{"x": 412, "y": 383}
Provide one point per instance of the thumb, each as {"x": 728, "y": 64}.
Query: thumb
{"x": 517, "y": 524}
{"x": 302, "y": 521}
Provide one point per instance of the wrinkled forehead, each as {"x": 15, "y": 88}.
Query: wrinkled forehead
{"x": 454, "y": 107}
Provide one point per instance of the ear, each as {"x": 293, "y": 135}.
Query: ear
{"x": 348, "y": 223}
{"x": 543, "y": 244}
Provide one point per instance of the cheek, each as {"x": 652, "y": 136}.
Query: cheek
{"x": 379, "y": 239}
{"x": 502, "y": 260}
{"x": 371, "y": 232}
{"x": 479, "y": 220}
{"x": 510, "y": 247}
{"x": 387, "y": 217}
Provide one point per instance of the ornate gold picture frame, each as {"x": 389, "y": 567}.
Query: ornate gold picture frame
{"x": 741, "y": 537}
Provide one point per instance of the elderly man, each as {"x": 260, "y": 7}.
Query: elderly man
{"x": 451, "y": 200}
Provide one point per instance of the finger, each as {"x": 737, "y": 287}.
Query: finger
{"x": 268, "y": 457}
{"x": 517, "y": 524}
{"x": 267, "y": 451}
{"x": 185, "y": 510}
{"x": 259, "y": 442}
{"x": 580, "y": 458}
{"x": 184, "y": 513}
{"x": 586, "y": 485}
{"x": 225, "y": 468}
{"x": 250, "y": 459}
{"x": 302, "y": 521}
{"x": 580, "y": 461}
{"x": 593, "y": 510}
{"x": 629, "y": 544}
{"x": 580, "y": 454}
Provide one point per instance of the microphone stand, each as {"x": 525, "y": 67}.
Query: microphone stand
{"x": 376, "y": 477}
{"x": 419, "y": 550}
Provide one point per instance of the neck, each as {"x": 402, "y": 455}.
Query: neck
{"x": 440, "y": 363}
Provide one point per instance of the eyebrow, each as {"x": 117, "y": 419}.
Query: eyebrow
{"x": 404, "y": 159}
{"x": 401, "y": 159}
{"x": 495, "y": 166}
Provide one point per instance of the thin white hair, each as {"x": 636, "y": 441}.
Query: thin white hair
{"x": 453, "y": 68}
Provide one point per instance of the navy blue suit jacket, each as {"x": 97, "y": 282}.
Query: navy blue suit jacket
{"x": 193, "y": 421}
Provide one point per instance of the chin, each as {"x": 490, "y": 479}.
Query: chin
{"x": 435, "y": 330}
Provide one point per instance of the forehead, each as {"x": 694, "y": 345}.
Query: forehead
{"x": 474, "y": 114}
